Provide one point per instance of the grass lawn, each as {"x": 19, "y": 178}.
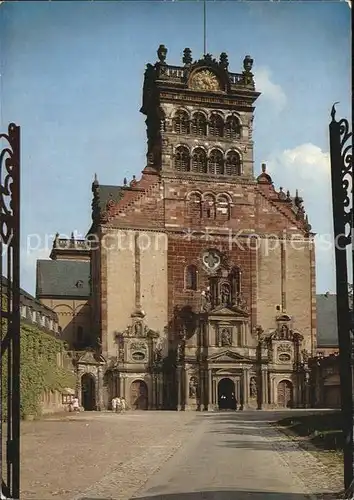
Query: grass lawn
{"x": 320, "y": 434}
{"x": 323, "y": 430}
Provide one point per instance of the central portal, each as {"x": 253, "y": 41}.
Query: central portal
{"x": 226, "y": 394}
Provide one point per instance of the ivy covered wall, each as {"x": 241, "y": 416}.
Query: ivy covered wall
{"x": 41, "y": 368}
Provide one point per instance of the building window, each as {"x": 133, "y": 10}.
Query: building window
{"x": 233, "y": 163}
{"x": 34, "y": 316}
{"x": 232, "y": 128}
{"x": 181, "y": 122}
{"x": 199, "y": 124}
{"x": 199, "y": 161}
{"x": 216, "y": 162}
{"x": 209, "y": 207}
{"x": 23, "y": 311}
{"x": 43, "y": 320}
{"x": 223, "y": 208}
{"x": 191, "y": 277}
{"x": 216, "y": 126}
{"x": 182, "y": 159}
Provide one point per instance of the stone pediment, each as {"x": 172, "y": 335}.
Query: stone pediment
{"x": 91, "y": 358}
{"x": 228, "y": 357}
{"x": 228, "y": 311}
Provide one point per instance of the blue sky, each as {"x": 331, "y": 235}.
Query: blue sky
{"x": 72, "y": 75}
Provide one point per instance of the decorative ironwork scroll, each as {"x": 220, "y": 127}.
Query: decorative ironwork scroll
{"x": 10, "y": 312}
{"x": 342, "y": 199}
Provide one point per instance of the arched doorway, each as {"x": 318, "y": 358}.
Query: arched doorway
{"x": 88, "y": 392}
{"x": 285, "y": 394}
{"x": 138, "y": 395}
{"x": 226, "y": 394}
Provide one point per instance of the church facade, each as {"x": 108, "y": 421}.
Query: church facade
{"x": 202, "y": 274}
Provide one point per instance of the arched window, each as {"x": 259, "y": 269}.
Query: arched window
{"x": 199, "y": 124}
{"x": 191, "y": 277}
{"x": 181, "y": 122}
{"x": 216, "y": 162}
{"x": 233, "y": 163}
{"x": 232, "y": 128}
{"x": 209, "y": 207}
{"x": 216, "y": 125}
{"x": 223, "y": 208}
{"x": 199, "y": 161}
{"x": 195, "y": 206}
{"x": 182, "y": 159}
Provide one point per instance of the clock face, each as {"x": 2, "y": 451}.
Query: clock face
{"x": 205, "y": 80}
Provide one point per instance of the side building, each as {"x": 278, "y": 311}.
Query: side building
{"x": 43, "y": 320}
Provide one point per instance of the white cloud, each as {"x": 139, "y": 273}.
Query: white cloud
{"x": 307, "y": 168}
{"x": 306, "y": 162}
{"x": 271, "y": 91}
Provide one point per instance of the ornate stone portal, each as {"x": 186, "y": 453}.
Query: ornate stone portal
{"x": 137, "y": 370}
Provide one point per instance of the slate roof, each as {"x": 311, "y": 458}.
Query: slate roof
{"x": 59, "y": 278}
{"x": 26, "y": 299}
{"x": 327, "y": 332}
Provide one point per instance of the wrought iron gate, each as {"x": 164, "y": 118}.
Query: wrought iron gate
{"x": 10, "y": 312}
{"x": 342, "y": 198}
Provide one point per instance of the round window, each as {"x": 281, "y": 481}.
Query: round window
{"x": 211, "y": 260}
{"x": 284, "y": 357}
{"x": 138, "y": 356}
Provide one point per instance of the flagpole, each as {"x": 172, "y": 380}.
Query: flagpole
{"x": 204, "y": 26}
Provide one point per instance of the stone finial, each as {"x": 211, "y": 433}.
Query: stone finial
{"x": 224, "y": 60}
{"x": 95, "y": 181}
{"x": 162, "y": 53}
{"x": 264, "y": 168}
{"x": 288, "y": 195}
{"x": 247, "y": 64}
{"x": 72, "y": 236}
{"x": 187, "y": 56}
{"x": 125, "y": 181}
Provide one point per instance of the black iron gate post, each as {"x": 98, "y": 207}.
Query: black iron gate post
{"x": 342, "y": 199}
{"x": 10, "y": 312}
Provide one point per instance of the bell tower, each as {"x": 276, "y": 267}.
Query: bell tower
{"x": 199, "y": 118}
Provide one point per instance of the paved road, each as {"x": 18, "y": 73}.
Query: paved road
{"x": 166, "y": 456}
{"x": 232, "y": 456}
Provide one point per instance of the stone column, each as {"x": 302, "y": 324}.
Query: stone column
{"x": 100, "y": 405}
{"x": 179, "y": 388}
{"x": 264, "y": 385}
{"x": 186, "y": 389}
{"x": 215, "y": 392}
{"x": 160, "y": 391}
{"x": 245, "y": 387}
{"x": 78, "y": 386}
{"x": 121, "y": 385}
{"x": 210, "y": 390}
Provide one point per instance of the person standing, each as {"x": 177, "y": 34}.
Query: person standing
{"x": 123, "y": 405}
{"x": 76, "y": 406}
{"x": 114, "y": 404}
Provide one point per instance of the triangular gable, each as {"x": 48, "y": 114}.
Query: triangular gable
{"x": 227, "y": 357}
{"x": 91, "y": 358}
{"x": 228, "y": 311}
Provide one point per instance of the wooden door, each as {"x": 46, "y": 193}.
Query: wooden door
{"x": 138, "y": 395}
{"x": 285, "y": 394}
